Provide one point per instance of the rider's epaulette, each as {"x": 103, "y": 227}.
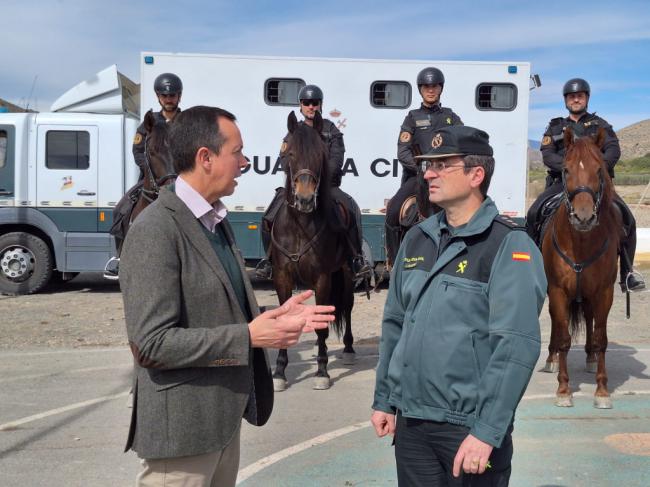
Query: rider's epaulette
{"x": 509, "y": 222}
{"x": 556, "y": 121}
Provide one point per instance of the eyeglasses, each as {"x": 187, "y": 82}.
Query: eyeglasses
{"x": 310, "y": 103}
{"x": 438, "y": 166}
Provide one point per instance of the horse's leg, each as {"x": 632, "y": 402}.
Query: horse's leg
{"x": 559, "y": 310}
{"x": 284, "y": 286}
{"x": 553, "y": 361}
{"x": 322, "y": 378}
{"x": 590, "y": 365}
{"x": 602, "y": 400}
{"x": 349, "y": 355}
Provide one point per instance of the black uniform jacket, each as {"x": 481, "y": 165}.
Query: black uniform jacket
{"x": 418, "y": 129}
{"x": 553, "y": 141}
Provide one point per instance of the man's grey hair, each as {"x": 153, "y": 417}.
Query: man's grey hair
{"x": 487, "y": 163}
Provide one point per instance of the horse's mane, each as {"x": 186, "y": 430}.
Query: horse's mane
{"x": 585, "y": 150}
{"x": 309, "y": 152}
{"x": 158, "y": 143}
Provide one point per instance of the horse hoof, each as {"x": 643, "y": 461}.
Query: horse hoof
{"x": 603, "y": 402}
{"x": 279, "y": 385}
{"x": 591, "y": 367}
{"x": 564, "y": 401}
{"x": 321, "y": 383}
{"x": 552, "y": 367}
{"x": 349, "y": 358}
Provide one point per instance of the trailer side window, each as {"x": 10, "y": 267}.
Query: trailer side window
{"x": 67, "y": 149}
{"x": 496, "y": 96}
{"x": 3, "y": 148}
{"x": 390, "y": 94}
{"x": 283, "y": 91}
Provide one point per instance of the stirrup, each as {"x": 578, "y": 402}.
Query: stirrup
{"x": 112, "y": 269}
{"x": 264, "y": 269}
{"x": 634, "y": 282}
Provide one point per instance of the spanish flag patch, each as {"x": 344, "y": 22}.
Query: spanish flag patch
{"x": 525, "y": 256}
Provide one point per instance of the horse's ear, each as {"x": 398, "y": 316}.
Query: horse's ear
{"x": 149, "y": 121}
{"x": 600, "y": 137}
{"x": 292, "y": 122}
{"x": 569, "y": 138}
{"x": 318, "y": 122}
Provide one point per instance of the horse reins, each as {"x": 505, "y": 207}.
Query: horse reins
{"x": 578, "y": 267}
{"x": 151, "y": 194}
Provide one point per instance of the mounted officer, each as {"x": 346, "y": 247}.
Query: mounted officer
{"x": 311, "y": 101}
{"x": 576, "y": 93}
{"x": 415, "y": 137}
{"x": 169, "y": 89}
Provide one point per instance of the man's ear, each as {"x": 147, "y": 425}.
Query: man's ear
{"x": 202, "y": 157}
{"x": 478, "y": 177}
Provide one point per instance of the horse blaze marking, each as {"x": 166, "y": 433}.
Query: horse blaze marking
{"x": 523, "y": 256}
{"x": 630, "y": 443}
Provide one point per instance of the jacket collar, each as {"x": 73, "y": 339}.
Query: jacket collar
{"x": 480, "y": 221}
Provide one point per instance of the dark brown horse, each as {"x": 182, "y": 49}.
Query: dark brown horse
{"x": 580, "y": 247}
{"x": 305, "y": 249}
{"x": 158, "y": 171}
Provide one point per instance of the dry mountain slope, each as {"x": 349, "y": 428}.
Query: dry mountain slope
{"x": 635, "y": 140}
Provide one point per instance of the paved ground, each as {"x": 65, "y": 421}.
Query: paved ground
{"x": 63, "y": 414}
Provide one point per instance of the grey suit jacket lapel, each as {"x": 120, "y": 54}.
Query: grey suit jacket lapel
{"x": 189, "y": 225}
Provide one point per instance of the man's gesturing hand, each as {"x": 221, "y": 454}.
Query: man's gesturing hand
{"x": 281, "y": 327}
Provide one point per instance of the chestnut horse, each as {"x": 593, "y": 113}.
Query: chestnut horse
{"x": 305, "y": 249}
{"x": 580, "y": 247}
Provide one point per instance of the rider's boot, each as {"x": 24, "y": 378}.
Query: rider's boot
{"x": 264, "y": 268}
{"x": 392, "y": 244}
{"x": 630, "y": 279}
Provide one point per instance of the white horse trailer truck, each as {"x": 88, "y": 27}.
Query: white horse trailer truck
{"x": 62, "y": 172}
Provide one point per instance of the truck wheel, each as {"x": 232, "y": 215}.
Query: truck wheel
{"x": 25, "y": 263}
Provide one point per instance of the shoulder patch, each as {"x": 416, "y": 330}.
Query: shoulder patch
{"x": 547, "y": 140}
{"x": 137, "y": 139}
{"x": 404, "y": 137}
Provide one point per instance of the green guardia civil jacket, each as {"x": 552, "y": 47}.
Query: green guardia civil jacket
{"x": 460, "y": 331}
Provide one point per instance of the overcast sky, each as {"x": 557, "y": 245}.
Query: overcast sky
{"x": 62, "y": 42}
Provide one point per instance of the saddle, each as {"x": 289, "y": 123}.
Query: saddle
{"x": 409, "y": 213}
{"x": 122, "y": 212}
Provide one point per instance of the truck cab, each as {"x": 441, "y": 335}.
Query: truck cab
{"x": 61, "y": 174}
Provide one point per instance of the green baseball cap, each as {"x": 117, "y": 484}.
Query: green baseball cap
{"x": 458, "y": 140}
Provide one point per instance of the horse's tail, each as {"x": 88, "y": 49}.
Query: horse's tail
{"x": 339, "y": 299}
{"x": 577, "y": 322}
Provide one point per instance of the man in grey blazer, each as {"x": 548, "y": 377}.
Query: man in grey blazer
{"x": 193, "y": 324}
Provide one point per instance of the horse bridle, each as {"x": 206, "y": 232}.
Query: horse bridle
{"x": 151, "y": 194}
{"x": 570, "y": 195}
{"x": 578, "y": 267}
{"x": 302, "y": 172}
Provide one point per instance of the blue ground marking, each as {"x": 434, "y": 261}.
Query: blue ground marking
{"x": 554, "y": 447}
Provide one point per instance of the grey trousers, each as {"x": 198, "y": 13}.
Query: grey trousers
{"x": 215, "y": 469}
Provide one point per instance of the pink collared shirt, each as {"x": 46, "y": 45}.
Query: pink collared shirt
{"x": 209, "y": 215}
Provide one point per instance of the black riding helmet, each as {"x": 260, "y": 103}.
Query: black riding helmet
{"x": 431, "y": 76}
{"x": 576, "y": 85}
{"x": 168, "y": 84}
{"x": 310, "y": 92}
